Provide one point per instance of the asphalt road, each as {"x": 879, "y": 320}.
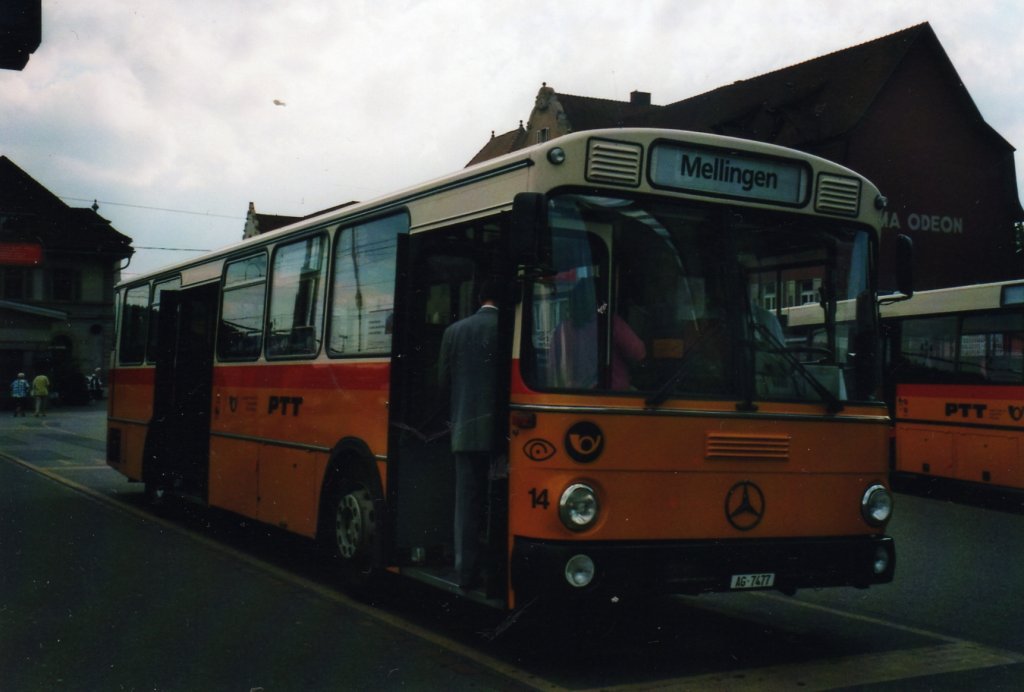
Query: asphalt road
{"x": 96, "y": 594}
{"x": 100, "y": 592}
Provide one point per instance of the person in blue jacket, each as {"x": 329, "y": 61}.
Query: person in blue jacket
{"x": 20, "y": 390}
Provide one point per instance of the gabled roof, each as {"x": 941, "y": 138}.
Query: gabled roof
{"x": 502, "y": 144}
{"x": 811, "y": 102}
{"x": 587, "y": 113}
{"x": 30, "y": 212}
{"x": 257, "y": 223}
{"x": 20, "y": 194}
{"x": 799, "y": 106}
{"x": 271, "y": 222}
{"x": 583, "y": 113}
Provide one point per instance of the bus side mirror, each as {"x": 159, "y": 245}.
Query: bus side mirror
{"x": 905, "y": 265}
{"x": 529, "y": 228}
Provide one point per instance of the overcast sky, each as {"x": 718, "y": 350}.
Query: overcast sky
{"x": 156, "y": 105}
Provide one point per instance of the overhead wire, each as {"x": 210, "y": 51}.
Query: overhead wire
{"x": 148, "y": 208}
{"x": 99, "y": 203}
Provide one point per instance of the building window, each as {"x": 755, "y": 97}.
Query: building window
{"x": 65, "y": 284}
{"x": 808, "y": 291}
{"x": 15, "y": 283}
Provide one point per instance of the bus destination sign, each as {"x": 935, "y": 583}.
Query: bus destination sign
{"x": 730, "y": 174}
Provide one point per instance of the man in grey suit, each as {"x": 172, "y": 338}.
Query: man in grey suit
{"x": 469, "y": 374}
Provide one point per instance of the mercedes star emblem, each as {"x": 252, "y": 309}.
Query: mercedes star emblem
{"x": 744, "y": 505}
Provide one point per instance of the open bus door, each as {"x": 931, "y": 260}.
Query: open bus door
{"x": 443, "y": 269}
{"x": 177, "y": 443}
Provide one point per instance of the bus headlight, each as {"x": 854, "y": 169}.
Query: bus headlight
{"x": 876, "y": 505}
{"x": 579, "y": 571}
{"x": 578, "y": 508}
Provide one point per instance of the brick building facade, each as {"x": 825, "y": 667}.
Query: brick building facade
{"x": 893, "y": 109}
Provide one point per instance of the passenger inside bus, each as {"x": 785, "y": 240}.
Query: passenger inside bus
{"x": 574, "y": 355}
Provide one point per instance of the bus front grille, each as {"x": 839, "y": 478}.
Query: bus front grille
{"x": 614, "y": 162}
{"x": 837, "y": 194}
{"x": 734, "y": 446}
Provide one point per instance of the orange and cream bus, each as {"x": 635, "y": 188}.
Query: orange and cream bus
{"x": 293, "y": 378}
{"x": 956, "y": 364}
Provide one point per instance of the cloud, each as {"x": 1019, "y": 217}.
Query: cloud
{"x": 171, "y": 104}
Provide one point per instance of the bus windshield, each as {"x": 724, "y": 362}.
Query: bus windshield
{"x": 674, "y": 300}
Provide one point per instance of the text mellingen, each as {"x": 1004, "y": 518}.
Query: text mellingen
{"x": 722, "y": 170}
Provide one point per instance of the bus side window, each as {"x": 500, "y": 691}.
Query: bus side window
{"x": 296, "y": 298}
{"x": 990, "y": 346}
{"x": 363, "y": 295}
{"x": 240, "y": 336}
{"x": 154, "y": 314}
{"x": 132, "y": 348}
{"x": 928, "y": 346}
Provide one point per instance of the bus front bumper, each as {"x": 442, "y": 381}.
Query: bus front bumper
{"x": 547, "y": 568}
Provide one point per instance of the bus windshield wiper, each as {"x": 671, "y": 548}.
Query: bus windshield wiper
{"x": 832, "y": 403}
{"x": 684, "y": 363}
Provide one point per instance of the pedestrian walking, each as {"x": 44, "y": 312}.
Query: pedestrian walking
{"x": 20, "y": 390}
{"x": 95, "y": 385}
{"x": 41, "y": 392}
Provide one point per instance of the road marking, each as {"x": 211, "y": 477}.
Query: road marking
{"x": 68, "y": 466}
{"x": 789, "y": 600}
{"x": 846, "y": 671}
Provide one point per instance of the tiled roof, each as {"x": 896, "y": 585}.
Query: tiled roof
{"x": 271, "y": 222}
{"x": 20, "y": 194}
{"x": 31, "y": 212}
{"x": 798, "y": 106}
{"x": 586, "y": 113}
{"x": 806, "y": 103}
{"x": 265, "y": 223}
{"x": 501, "y": 144}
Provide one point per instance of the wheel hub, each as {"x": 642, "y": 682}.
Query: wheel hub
{"x": 354, "y": 523}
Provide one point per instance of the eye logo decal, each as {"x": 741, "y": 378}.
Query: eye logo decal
{"x": 538, "y": 449}
{"x": 584, "y": 442}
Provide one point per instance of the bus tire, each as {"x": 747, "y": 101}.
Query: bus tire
{"x": 348, "y": 526}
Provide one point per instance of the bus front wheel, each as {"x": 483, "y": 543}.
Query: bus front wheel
{"x": 349, "y": 529}
{"x": 354, "y": 524}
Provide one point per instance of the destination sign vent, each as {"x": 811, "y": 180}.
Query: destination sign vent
{"x": 837, "y": 194}
{"x": 739, "y": 447}
{"x": 614, "y": 162}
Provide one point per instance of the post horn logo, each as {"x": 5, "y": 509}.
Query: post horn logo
{"x": 744, "y": 505}
{"x": 584, "y": 442}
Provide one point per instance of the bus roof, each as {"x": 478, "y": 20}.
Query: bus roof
{"x": 819, "y": 197}
{"x": 958, "y": 299}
